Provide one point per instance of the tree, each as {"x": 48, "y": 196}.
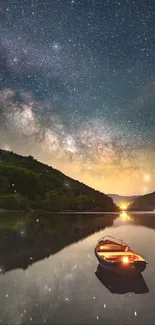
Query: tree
{"x": 56, "y": 200}
{"x": 4, "y": 185}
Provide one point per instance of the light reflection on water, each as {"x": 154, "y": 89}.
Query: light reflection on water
{"x": 59, "y": 285}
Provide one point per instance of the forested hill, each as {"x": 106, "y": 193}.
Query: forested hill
{"x": 26, "y": 183}
{"x": 144, "y": 203}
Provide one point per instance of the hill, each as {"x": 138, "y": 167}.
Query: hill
{"x": 144, "y": 203}
{"x": 26, "y": 183}
{"x": 118, "y": 199}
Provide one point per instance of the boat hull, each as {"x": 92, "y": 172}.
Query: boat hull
{"x": 131, "y": 268}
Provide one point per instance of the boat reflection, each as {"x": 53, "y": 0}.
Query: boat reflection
{"x": 120, "y": 284}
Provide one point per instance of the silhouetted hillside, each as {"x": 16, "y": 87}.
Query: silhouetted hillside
{"x": 144, "y": 203}
{"x": 26, "y": 183}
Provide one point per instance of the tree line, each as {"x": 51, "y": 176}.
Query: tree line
{"x": 28, "y": 184}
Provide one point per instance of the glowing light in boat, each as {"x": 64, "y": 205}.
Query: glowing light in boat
{"x": 125, "y": 260}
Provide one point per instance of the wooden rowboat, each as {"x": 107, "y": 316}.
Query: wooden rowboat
{"x": 116, "y": 256}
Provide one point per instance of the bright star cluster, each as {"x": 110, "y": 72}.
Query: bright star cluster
{"x": 77, "y": 85}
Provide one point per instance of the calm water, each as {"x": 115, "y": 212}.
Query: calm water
{"x": 48, "y": 270}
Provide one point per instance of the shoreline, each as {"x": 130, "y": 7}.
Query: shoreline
{"x": 76, "y": 212}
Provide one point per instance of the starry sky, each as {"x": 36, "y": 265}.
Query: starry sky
{"x": 77, "y": 88}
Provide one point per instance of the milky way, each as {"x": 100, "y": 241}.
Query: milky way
{"x": 77, "y": 88}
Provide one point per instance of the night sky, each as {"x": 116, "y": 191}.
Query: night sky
{"x": 77, "y": 88}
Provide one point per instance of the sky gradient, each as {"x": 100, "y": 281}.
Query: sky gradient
{"x": 77, "y": 89}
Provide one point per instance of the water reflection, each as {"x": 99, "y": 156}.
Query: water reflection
{"x": 125, "y": 216}
{"x": 140, "y": 218}
{"x": 27, "y": 239}
{"x": 60, "y": 285}
{"x": 120, "y": 284}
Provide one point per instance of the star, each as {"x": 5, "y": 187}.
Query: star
{"x": 77, "y": 84}
{"x": 147, "y": 178}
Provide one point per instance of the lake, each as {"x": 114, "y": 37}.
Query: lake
{"x": 50, "y": 275}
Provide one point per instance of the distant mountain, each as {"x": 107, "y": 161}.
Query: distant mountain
{"x": 144, "y": 203}
{"x": 26, "y": 183}
{"x": 118, "y": 199}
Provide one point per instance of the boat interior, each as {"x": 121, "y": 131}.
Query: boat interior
{"x": 113, "y": 252}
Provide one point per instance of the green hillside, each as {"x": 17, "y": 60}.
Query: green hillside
{"x": 26, "y": 183}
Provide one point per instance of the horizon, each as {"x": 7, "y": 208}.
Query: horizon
{"x": 77, "y": 92}
{"x": 112, "y": 194}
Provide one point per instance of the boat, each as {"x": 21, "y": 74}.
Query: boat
{"x": 116, "y": 256}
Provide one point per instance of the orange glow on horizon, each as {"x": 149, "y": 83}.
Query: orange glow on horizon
{"x": 124, "y": 206}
